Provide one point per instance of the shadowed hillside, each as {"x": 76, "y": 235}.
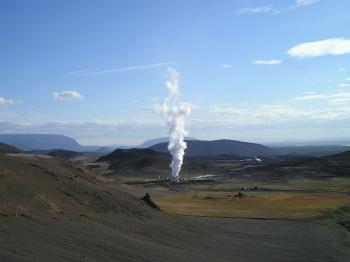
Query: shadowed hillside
{"x": 33, "y": 185}
{"x": 5, "y": 148}
{"x": 136, "y": 158}
{"x": 337, "y": 165}
{"x": 148, "y": 162}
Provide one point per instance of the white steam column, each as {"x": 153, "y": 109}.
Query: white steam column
{"x": 175, "y": 112}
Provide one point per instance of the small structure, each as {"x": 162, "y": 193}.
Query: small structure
{"x": 245, "y": 188}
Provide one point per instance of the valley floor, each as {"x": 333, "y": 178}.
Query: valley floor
{"x": 53, "y": 210}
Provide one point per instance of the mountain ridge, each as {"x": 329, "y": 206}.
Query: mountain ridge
{"x": 29, "y": 142}
{"x": 152, "y": 142}
{"x": 220, "y": 147}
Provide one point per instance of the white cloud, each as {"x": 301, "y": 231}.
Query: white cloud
{"x": 226, "y": 66}
{"x": 256, "y": 10}
{"x": 331, "y": 46}
{"x": 347, "y": 79}
{"x": 129, "y": 68}
{"x": 267, "y": 62}
{"x": 342, "y": 69}
{"x": 67, "y": 95}
{"x": 216, "y": 121}
{"x": 336, "y": 108}
{"x": 344, "y": 85}
{"x": 6, "y": 102}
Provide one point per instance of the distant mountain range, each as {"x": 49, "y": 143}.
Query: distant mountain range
{"x": 311, "y": 150}
{"x": 32, "y": 142}
{"x": 344, "y": 141}
{"x": 29, "y": 142}
{"x": 220, "y": 147}
{"x": 48, "y": 142}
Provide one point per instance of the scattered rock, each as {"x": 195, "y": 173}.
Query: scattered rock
{"x": 240, "y": 195}
{"x": 209, "y": 197}
{"x": 147, "y": 199}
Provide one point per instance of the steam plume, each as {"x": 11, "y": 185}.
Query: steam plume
{"x": 174, "y": 112}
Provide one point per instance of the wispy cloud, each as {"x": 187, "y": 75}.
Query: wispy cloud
{"x": 301, "y": 3}
{"x": 267, "y": 62}
{"x": 67, "y": 95}
{"x": 129, "y": 68}
{"x": 6, "y": 102}
{"x": 272, "y": 10}
{"x": 226, "y": 66}
{"x": 310, "y": 97}
{"x": 94, "y": 132}
{"x": 329, "y": 107}
{"x": 336, "y": 107}
{"x": 275, "y": 114}
{"x": 256, "y": 10}
{"x": 347, "y": 79}
{"x": 333, "y": 99}
{"x": 331, "y": 46}
{"x": 344, "y": 85}
{"x": 76, "y": 72}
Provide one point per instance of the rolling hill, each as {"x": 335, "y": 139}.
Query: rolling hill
{"x": 136, "y": 158}
{"x": 220, "y": 147}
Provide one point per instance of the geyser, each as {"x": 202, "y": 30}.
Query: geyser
{"x": 174, "y": 113}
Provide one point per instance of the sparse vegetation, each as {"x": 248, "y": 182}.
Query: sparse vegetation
{"x": 282, "y": 205}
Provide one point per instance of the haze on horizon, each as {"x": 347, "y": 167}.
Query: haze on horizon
{"x": 264, "y": 71}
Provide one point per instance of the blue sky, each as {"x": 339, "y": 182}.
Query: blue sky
{"x": 254, "y": 70}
